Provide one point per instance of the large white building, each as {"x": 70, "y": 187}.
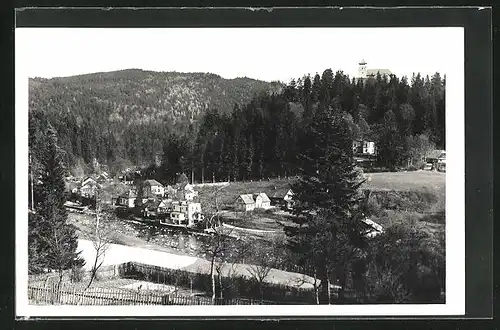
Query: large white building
{"x": 364, "y": 72}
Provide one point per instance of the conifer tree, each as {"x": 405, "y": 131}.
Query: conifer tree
{"x": 53, "y": 242}
{"x": 326, "y": 209}
{"x": 391, "y": 144}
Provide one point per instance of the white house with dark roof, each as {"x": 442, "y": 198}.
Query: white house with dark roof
{"x": 153, "y": 187}
{"x": 127, "y": 199}
{"x": 244, "y": 203}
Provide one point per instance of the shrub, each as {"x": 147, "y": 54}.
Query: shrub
{"x": 77, "y": 274}
{"x": 232, "y": 287}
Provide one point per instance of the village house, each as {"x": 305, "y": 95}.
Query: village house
{"x": 436, "y": 160}
{"x": 372, "y": 228}
{"x": 103, "y": 177}
{"x": 281, "y": 197}
{"x": 262, "y": 201}
{"x": 180, "y": 212}
{"x": 165, "y": 206}
{"x": 127, "y": 199}
{"x": 152, "y": 188}
{"x": 244, "y": 203}
{"x": 89, "y": 188}
{"x": 363, "y": 148}
{"x": 177, "y": 218}
{"x": 170, "y": 192}
{"x": 185, "y": 191}
{"x": 150, "y": 208}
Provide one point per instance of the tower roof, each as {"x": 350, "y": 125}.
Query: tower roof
{"x": 362, "y": 62}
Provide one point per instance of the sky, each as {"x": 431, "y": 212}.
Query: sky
{"x": 260, "y": 53}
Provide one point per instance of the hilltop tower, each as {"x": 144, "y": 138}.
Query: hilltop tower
{"x": 362, "y": 69}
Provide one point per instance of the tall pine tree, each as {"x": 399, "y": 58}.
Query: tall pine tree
{"x": 53, "y": 242}
{"x": 327, "y": 219}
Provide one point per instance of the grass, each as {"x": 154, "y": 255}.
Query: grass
{"x": 405, "y": 181}
{"x": 418, "y": 195}
{"x": 229, "y": 193}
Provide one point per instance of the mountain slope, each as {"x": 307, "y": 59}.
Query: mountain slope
{"x": 128, "y": 114}
{"x": 138, "y": 96}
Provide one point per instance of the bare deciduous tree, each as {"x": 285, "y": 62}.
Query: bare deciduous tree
{"x": 101, "y": 234}
{"x": 264, "y": 259}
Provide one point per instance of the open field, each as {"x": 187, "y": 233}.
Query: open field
{"x": 399, "y": 181}
{"x": 395, "y": 197}
{"x": 406, "y": 180}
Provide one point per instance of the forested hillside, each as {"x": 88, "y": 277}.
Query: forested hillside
{"x": 264, "y": 138}
{"x": 218, "y": 129}
{"x": 124, "y": 117}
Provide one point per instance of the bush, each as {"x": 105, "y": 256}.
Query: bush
{"x": 77, "y": 274}
{"x": 406, "y": 264}
{"x": 409, "y": 201}
{"x": 232, "y": 287}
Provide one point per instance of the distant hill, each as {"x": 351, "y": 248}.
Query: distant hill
{"x": 137, "y": 96}
{"x": 100, "y": 115}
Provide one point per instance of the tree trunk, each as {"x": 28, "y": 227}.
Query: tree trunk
{"x": 323, "y": 296}
{"x": 213, "y": 289}
{"x": 212, "y": 275}
{"x": 316, "y": 293}
{"x": 329, "y": 291}
{"x": 220, "y": 286}
{"x": 202, "y": 175}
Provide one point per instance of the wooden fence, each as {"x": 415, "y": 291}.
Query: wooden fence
{"x": 100, "y": 297}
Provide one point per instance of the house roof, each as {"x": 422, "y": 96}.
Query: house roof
{"x": 375, "y": 71}
{"x": 152, "y": 183}
{"x": 90, "y": 182}
{"x": 436, "y": 154}
{"x": 264, "y": 197}
{"x": 373, "y": 224}
{"x": 166, "y": 202}
{"x": 278, "y": 192}
{"x": 88, "y": 179}
{"x": 247, "y": 199}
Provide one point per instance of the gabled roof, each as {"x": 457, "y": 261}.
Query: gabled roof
{"x": 87, "y": 180}
{"x": 279, "y": 192}
{"x": 166, "y": 202}
{"x": 152, "y": 183}
{"x": 373, "y": 224}
{"x": 436, "y": 154}
{"x": 247, "y": 199}
{"x": 264, "y": 197}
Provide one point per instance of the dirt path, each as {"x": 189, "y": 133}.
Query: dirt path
{"x": 249, "y": 230}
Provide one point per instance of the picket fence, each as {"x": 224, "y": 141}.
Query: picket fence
{"x": 101, "y": 296}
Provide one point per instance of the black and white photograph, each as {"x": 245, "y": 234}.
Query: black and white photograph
{"x": 217, "y": 171}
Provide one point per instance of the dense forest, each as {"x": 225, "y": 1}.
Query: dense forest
{"x": 263, "y": 138}
{"x": 122, "y": 118}
{"x": 240, "y": 129}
